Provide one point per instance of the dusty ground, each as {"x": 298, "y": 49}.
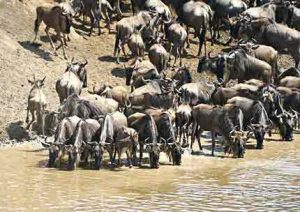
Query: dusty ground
{"x": 19, "y": 61}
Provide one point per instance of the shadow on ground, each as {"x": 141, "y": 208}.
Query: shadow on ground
{"x": 35, "y": 48}
{"x": 16, "y": 131}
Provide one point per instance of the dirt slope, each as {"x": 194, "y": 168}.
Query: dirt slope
{"x": 19, "y": 61}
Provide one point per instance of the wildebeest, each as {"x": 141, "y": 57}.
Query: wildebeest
{"x": 290, "y": 82}
{"x": 118, "y": 93}
{"x": 270, "y": 33}
{"x": 72, "y": 81}
{"x": 182, "y": 76}
{"x": 55, "y": 18}
{"x": 74, "y": 105}
{"x": 165, "y": 100}
{"x": 126, "y": 139}
{"x": 159, "y": 56}
{"x": 264, "y": 53}
{"x": 237, "y": 65}
{"x": 223, "y": 9}
{"x": 177, "y": 36}
{"x": 293, "y": 20}
{"x": 183, "y": 120}
{"x": 63, "y": 133}
{"x": 153, "y": 5}
{"x": 136, "y": 44}
{"x": 255, "y": 117}
{"x": 93, "y": 9}
{"x": 216, "y": 120}
{"x": 195, "y": 93}
{"x": 112, "y": 124}
{"x": 51, "y": 122}
{"x": 194, "y": 14}
{"x": 36, "y": 103}
{"x": 148, "y": 136}
{"x": 166, "y": 133}
{"x": 86, "y": 131}
{"x": 106, "y": 105}
{"x": 127, "y": 26}
{"x": 140, "y": 71}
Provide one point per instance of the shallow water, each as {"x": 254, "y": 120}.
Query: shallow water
{"x": 266, "y": 179}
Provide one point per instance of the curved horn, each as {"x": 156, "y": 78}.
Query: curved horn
{"x": 72, "y": 60}
{"x": 92, "y": 143}
{"x": 85, "y": 62}
{"x": 164, "y": 140}
{"x": 144, "y": 80}
{"x": 126, "y": 103}
{"x": 209, "y": 55}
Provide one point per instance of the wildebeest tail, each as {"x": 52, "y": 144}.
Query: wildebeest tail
{"x": 117, "y": 41}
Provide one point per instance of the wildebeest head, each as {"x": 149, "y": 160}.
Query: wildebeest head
{"x": 260, "y": 123}
{"x": 79, "y": 69}
{"x": 237, "y": 145}
{"x": 183, "y": 76}
{"x": 96, "y": 150}
{"x": 37, "y": 83}
{"x": 102, "y": 91}
{"x": 215, "y": 64}
{"x": 285, "y": 123}
{"x": 154, "y": 151}
{"x": 53, "y": 155}
{"x": 176, "y": 152}
{"x": 72, "y": 153}
{"x": 259, "y": 131}
{"x": 148, "y": 132}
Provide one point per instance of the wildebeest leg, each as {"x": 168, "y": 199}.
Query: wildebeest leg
{"x": 180, "y": 54}
{"x": 92, "y": 25}
{"x": 40, "y": 118}
{"x": 180, "y": 133}
{"x": 65, "y": 40}
{"x": 123, "y": 49}
{"x": 169, "y": 49}
{"x": 198, "y": 33}
{"x": 187, "y": 39}
{"x": 32, "y": 120}
{"x": 141, "y": 153}
{"x": 296, "y": 62}
{"x": 99, "y": 29}
{"x": 198, "y": 138}
{"x": 213, "y": 143}
{"x": 128, "y": 154}
{"x": 117, "y": 8}
{"x": 119, "y": 156}
{"x": 107, "y": 19}
{"x": 175, "y": 49}
{"x": 193, "y": 135}
{"x": 37, "y": 24}
{"x": 202, "y": 40}
{"x": 51, "y": 42}
{"x": 62, "y": 45}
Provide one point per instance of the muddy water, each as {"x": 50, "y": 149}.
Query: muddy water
{"x": 263, "y": 180}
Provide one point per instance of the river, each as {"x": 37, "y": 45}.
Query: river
{"x": 267, "y": 179}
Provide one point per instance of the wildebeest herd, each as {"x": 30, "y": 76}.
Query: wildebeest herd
{"x": 165, "y": 113}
